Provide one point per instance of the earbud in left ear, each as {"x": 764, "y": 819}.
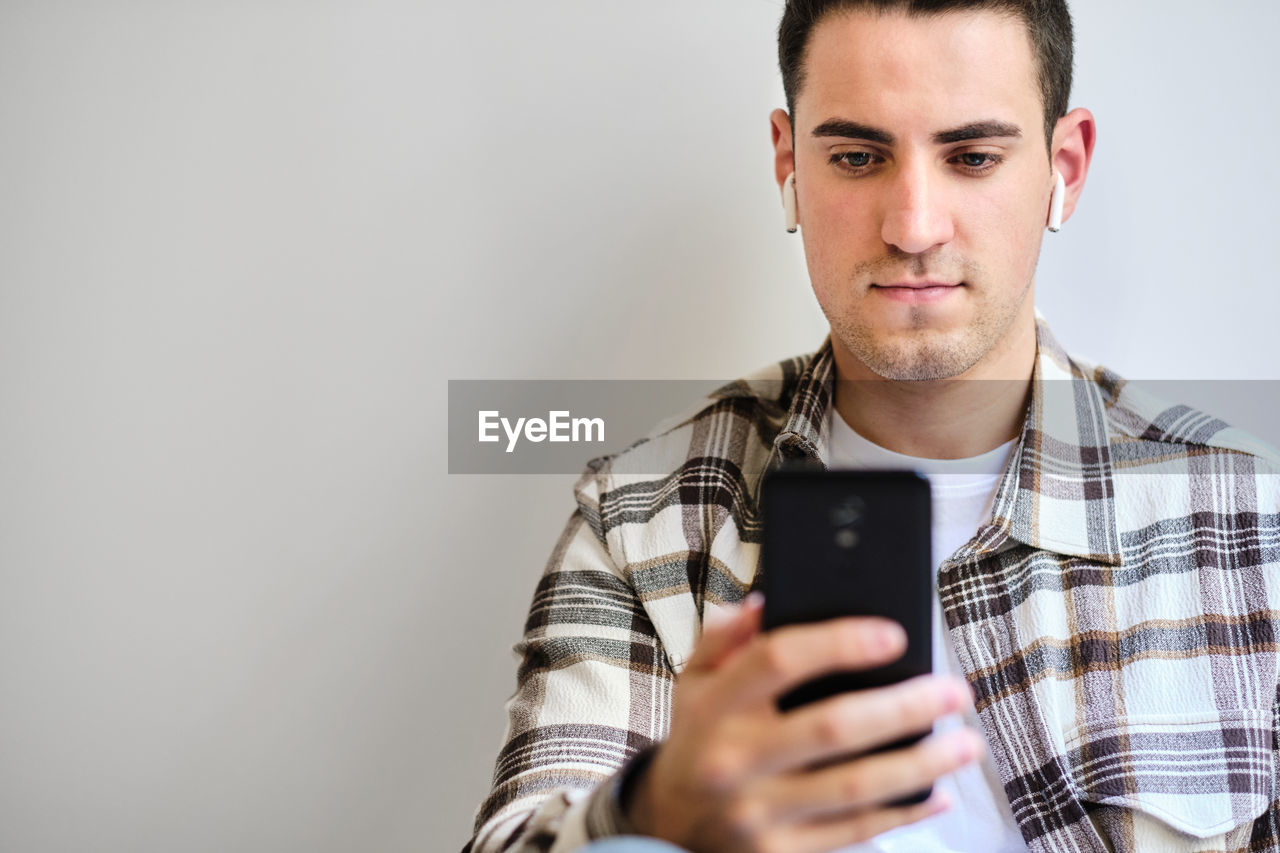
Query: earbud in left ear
{"x": 1055, "y": 204}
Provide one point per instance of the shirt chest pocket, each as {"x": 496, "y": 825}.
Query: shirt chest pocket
{"x": 1175, "y": 782}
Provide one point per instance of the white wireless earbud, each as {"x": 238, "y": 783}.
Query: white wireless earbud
{"x": 1055, "y": 204}
{"x": 789, "y": 202}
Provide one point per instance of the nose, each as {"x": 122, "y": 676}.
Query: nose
{"x": 916, "y": 218}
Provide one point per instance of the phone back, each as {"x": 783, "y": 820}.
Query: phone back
{"x": 849, "y": 543}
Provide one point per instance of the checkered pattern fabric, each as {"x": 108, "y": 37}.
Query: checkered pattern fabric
{"x": 1117, "y": 616}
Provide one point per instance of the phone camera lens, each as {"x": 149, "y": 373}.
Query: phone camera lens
{"x": 847, "y": 512}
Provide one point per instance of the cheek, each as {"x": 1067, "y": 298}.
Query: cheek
{"x": 1002, "y": 232}
{"x": 840, "y": 230}
{"x": 827, "y": 210}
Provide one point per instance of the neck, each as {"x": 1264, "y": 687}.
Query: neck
{"x": 941, "y": 419}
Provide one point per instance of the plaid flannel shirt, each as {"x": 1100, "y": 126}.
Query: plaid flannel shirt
{"x": 1116, "y": 617}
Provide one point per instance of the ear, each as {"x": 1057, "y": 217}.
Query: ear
{"x": 784, "y": 158}
{"x": 1073, "y": 141}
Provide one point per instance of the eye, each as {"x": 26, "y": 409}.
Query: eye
{"x": 854, "y": 161}
{"x": 977, "y": 162}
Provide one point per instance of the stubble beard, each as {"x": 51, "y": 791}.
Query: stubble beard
{"x": 923, "y": 353}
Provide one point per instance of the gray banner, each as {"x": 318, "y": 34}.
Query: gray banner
{"x": 510, "y": 426}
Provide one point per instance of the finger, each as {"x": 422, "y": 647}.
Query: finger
{"x": 856, "y": 722}
{"x": 725, "y": 632}
{"x": 839, "y": 832}
{"x": 872, "y": 779}
{"x": 789, "y": 656}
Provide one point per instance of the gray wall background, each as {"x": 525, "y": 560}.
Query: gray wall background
{"x": 244, "y": 245}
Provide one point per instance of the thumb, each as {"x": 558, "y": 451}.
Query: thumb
{"x": 724, "y": 633}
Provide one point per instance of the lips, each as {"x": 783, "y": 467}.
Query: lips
{"x": 919, "y": 285}
{"x": 918, "y": 291}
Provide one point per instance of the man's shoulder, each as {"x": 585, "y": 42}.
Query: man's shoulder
{"x": 1148, "y": 425}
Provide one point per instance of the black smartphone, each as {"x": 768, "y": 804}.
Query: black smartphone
{"x": 850, "y": 543}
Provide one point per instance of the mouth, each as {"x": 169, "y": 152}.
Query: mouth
{"x": 918, "y": 291}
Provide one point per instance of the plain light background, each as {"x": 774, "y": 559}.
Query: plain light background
{"x": 244, "y": 245}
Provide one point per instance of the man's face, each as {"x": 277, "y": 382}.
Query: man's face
{"x": 920, "y": 158}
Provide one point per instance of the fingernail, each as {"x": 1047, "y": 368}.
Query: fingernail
{"x": 891, "y": 637}
{"x": 965, "y": 748}
{"x": 754, "y": 600}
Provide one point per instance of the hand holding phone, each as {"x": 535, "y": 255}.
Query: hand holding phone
{"x": 736, "y": 773}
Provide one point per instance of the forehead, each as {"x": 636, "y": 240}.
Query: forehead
{"x": 919, "y": 73}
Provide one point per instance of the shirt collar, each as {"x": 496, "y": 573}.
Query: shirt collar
{"x": 1057, "y": 492}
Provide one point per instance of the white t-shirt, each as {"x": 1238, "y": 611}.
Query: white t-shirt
{"x": 979, "y": 820}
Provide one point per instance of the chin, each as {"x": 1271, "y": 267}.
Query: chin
{"x": 919, "y": 358}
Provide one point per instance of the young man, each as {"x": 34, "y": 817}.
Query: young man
{"x": 1105, "y": 657}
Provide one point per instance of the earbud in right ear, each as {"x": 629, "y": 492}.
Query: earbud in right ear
{"x": 789, "y": 203}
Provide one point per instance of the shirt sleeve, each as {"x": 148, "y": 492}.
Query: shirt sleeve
{"x": 593, "y": 691}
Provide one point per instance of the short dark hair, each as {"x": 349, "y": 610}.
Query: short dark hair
{"x": 1048, "y": 23}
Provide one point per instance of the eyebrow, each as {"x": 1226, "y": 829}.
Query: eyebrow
{"x": 979, "y": 130}
{"x": 852, "y": 130}
{"x": 991, "y": 129}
